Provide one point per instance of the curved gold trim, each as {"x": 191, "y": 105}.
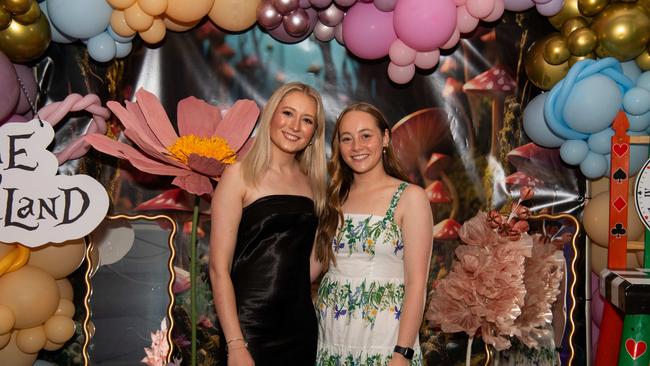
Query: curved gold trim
{"x": 488, "y": 354}
{"x": 574, "y": 280}
{"x": 170, "y": 285}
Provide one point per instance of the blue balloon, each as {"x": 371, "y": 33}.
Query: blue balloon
{"x": 601, "y": 142}
{"x": 644, "y": 80}
{"x": 102, "y": 47}
{"x": 631, "y": 70}
{"x": 117, "y": 37}
{"x": 80, "y": 18}
{"x": 122, "y": 49}
{"x": 594, "y": 166}
{"x": 638, "y": 155}
{"x": 57, "y": 36}
{"x": 636, "y": 101}
{"x": 573, "y": 152}
{"x": 593, "y": 104}
{"x": 639, "y": 123}
{"x": 535, "y": 125}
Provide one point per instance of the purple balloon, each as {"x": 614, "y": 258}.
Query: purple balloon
{"x": 26, "y": 76}
{"x": 385, "y": 5}
{"x": 518, "y": 5}
{"x": 305, "y": 4}
{"x": 550, "y": 8}
{"x": 331, "y": 16}
{"x": 425, "y": 25}
{"x": 268, "y": 16}
{"x": 285, "y": 7}
{"x": 345, "y": 3}
{"x": 9, "y": 89}
{"x": 281, "y": 34}
{"x": 323, "y": 32}
{"x": 320, "y": 3}
{"x": 367, "y": 31}
{"x": 296, "y": 23}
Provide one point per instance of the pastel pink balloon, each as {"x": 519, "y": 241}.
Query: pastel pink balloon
{"x": 465, "y": 21}
{"x": 550, "y": 8}
{"x": 401, "y": 74}
{"x": 345, "y": 2}
{"x": 497, "y": 12}
{"x": 424, "y": 24}
{"x": 367, "y": 31}
{"x": 460, "y": 2}
{"x": 518, "y": 5}
{"x": 401, "y": 54}
{"x": 480, "y": 8}
{"x": 597, "y": 304}
{"x": 320, "y": 3}
{"x": 452, "y": 41}
{"x": 427, "y": 60}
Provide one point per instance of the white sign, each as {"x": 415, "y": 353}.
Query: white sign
{"x": 37, "y": 206}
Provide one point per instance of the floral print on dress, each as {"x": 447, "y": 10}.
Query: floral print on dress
{"x": 324, "y": 358}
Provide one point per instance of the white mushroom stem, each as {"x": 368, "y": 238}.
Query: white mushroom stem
{"x": 497, "y": 122}
{"x": 453, "y": 193}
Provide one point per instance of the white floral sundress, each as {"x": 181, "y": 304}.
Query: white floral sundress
{"x": 360, "y": 299}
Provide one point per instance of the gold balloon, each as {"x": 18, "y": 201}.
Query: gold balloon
{"x": 5, "y": 18}
{"x": 556, "y": 50}
{"x": 572, "y": 24}
{"x": 176, "y": 26}
{"x": 596, "y": 220}
{"x": 12, "y": 355}
{"x": 31, "y": 340}
{"x": 623, "y": 31}
{"x": 59, "y": 328}
{"x": 574, "y": 59}
{"x": 31, "y": 15}
{"x": 569, "y": 10}
{"x": 17, "y": 6}
{"x": 22, "y": 43}
{"x": 234, "y": 15}
{"x": 59, "y": 260}
{"x": 643, "y": 61}
{"x": 582, "y": 41}
{"x": 591, "y": 7}
{"x": 540, "y": 72}
{"x": 38, "y": 296}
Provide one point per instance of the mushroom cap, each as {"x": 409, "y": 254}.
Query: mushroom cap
{"x": 522, "y": 179}
{"x": 496, "y": 80}
{"x": 174, "y": 199}
{"x": 451, "y": 87}
{"x": 436, "y": 165}
{"x": 437, "y": 192}
{"x": 416, "y": 136}
{"x": 446, "y": 229}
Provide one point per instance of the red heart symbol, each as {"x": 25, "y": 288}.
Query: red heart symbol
{"x": 635, "y": 349}
{"x": 620, "y": 149}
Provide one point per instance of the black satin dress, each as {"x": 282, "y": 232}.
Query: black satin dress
{"x": 270, "y": 275}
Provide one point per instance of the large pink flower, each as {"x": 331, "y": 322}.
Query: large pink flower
{"x": 207, "y": 142}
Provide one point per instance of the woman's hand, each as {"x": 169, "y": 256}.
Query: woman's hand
{"x": 239, "y": 356}
{"x": 398, "y": 360}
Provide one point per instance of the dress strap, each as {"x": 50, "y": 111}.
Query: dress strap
{"x": 395, "y": 200}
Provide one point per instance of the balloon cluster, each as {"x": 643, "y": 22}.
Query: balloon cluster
{"x": 590, "y": 29}
{"x": 15, "y": 101}
{"x": 545, "y": 7}
{"x": 291, "y": 21}
{"x": 24, "y": 31}
{"x": 577, "y": 114}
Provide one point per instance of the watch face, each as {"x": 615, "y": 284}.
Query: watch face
{"x": 642, "y": 195}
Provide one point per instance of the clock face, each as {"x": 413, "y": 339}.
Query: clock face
{"x": 642, "y": 196}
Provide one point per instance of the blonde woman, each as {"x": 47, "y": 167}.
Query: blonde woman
{"x": 264, "y": 218}
{"x": 375, "y": 245}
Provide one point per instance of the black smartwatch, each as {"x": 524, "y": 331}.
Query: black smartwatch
{"x": 404, "y": 351}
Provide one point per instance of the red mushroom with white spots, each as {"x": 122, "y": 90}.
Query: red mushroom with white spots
{"x": 174, "y": 199}
{"x": 437, "y": 193}
{"x": 446, "y": 229}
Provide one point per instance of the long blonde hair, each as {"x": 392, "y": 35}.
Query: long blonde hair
{"x": 341, "y": 181}
{"x": 311, "y": 159}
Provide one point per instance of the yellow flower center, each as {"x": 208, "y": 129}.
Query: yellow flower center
{"x": 214, "y": 147}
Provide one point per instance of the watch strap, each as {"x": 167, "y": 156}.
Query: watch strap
{"x": 404, "y": 351}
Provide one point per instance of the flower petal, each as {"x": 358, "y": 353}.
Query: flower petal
{"x": 156, "y": 117}
{"x": 194, "y": 183}
{"x": 135, "y": 157}
{"x": 134, "y": 120}
{"x": 205, "y": 165}
{"x": 238, "y": 123}
{"x": 196, "y": 117}
{"x": 244, "y": 149}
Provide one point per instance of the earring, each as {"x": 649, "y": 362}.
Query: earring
{"x": 385, "y": 150}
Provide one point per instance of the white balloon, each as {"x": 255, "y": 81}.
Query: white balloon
{"x": 113, "y": 239}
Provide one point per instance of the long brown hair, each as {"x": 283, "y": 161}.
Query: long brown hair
{"x": 341, "y": 181}
{"x": 312, "y": 158}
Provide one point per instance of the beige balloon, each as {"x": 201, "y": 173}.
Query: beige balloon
{"x": 65, "y": 289}
{"x": 186, "y": 11}
{"x": 12, "y": 355}
{"x": 137, "y": 19}
{"x": 156, "y": 33}
{"x": 59, "y": 260}
{"x": 120, "y": 4}
{"x": 599, "y": 258}
{"x": 5, "y": 249}
{"x": 31, "y": 340}
{"x": 153, "y": 7}
{"x": 639, "y": 257}
{"x": 59, "y": 328}
{"x": 602, "y": 185}
{"x": 65, "y": 308}
{"x": 177, "y": 26}
{"x": 51, "y": 346}
{"x": 234, "y": 15}
{"x": 7, "y": 319}
{"x": 596, "y": 219}
{"x": 4, "y": 339}
{"x": 119, "y": 25}
{"x": 31, "y": 294}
